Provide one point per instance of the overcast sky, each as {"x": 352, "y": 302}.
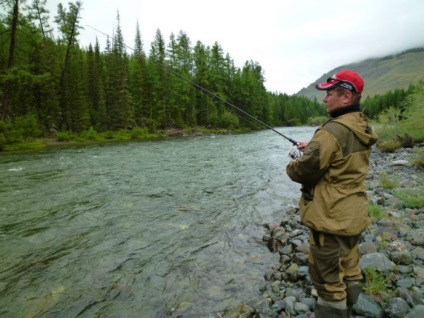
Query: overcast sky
{"x": 295, "y": 41}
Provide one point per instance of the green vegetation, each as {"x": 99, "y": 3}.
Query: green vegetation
{"x": 52, "y": 88}
{"x": 386, "y": 182}
{"x": 412, "y": 198}
{"x": 401, "y": 126}
{"x": 80, "y": 94}
{"x": 376, "y": 212}
{"x": 376, "y": 283}
{"x": 418, "y": 160}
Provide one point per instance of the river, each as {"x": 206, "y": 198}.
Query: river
{"x": 141, "y": 229}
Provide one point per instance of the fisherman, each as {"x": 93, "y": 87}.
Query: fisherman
{"x": 334, "y": 203}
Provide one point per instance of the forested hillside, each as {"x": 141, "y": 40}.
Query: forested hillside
{"x": 52, "y": 87}
{"x": 55, "y": 85}
{"x": 381, "y": 75}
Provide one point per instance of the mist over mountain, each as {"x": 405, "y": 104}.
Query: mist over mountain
{"x": 380, "y": 74}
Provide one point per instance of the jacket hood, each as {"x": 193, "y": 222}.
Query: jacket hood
{"x": 358, "y": 123}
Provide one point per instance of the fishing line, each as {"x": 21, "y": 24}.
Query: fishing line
{"x": 204, "y": 90}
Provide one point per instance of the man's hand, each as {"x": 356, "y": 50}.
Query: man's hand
{"x": 301, "y": 145}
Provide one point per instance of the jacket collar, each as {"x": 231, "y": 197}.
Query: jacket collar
{"x": 345, "y": 110}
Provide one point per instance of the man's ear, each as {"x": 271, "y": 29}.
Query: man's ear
{"x": 347, "y": 97}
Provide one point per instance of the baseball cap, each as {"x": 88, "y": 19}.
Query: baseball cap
{"x": 346, "y": 78}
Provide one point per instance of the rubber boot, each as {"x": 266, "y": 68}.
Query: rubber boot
{"x": 322, "y": 311}
{"x": 353, "y": 290}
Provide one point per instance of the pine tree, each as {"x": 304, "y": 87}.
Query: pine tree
{"x": 68, "y": 22}
{"x": 139, "y": 81}
{"x": 121, "y": 110}
{"x": 96, "y": 92}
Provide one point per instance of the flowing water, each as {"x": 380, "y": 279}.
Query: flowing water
{"x": 142, "y": 229}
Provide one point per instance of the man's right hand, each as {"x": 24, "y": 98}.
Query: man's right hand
{"x": 301, "y": 145}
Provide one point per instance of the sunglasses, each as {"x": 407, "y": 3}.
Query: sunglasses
{"x": 345, "y": 84}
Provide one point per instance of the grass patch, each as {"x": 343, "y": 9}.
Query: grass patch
{"x": 376, "y": 282}
{"x": 412, "y": 198}
{"x": 376, "y": 212}
{"x": 24, "y": 145}
{"x": 418, "y": 159}
{"x": 386, "y": 182}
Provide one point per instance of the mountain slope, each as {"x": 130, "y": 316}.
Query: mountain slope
{"x": 380, "y": 74}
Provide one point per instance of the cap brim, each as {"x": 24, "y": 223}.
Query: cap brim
{"x": 326, "y": 85}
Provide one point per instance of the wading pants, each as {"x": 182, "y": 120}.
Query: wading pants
{"x": 334, "y": 266}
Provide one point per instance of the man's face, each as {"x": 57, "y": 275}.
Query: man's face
{"x": 335, "y": 100}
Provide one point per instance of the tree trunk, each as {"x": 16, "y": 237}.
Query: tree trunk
{"x": 6, "y": 85}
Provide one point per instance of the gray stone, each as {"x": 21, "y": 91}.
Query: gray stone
{"x": 419, "y": 274}
{"x": 289, "y": 304}
{"x": 376, "y": 261}
{"x": 368, "y": 307}
{"x": 416, "y": 312}
{"x": 367, "y": 248}
{"x": 407, "y": 283}
{"x": 301, "y": 308}
{"x": 401, "y": 257}
{"x": 285, "y": 250}
{"x": 396, "y": 308}
{"x": 403, "y": 163}
{"x": 418, "y": 253}
{"x": 416, "y": 237}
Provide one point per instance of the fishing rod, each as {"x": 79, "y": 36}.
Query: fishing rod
{"x": 295, "y": 143}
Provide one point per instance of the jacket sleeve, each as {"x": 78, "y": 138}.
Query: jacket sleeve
{"x": 317, "y": 157}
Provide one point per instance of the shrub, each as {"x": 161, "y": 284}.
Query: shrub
{"x": 90, "y": 134}
{"x": 27, "y": 126}
{"x": 137, "y": 133}
{"x": 109, "y": 134}
{"x": 399, "y": 129}
{"x": 228, "y": 121}
{"x": 63, "y": 136}
{"x": 21, "y": 129}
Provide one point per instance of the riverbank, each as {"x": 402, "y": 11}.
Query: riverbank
{"x": 392, "y": 249}
{"x": 91, "y": 137}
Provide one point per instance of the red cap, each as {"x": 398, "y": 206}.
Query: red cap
{"x": 346, "y": 79}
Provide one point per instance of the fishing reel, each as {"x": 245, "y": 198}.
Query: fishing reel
{"x": 294, "y": 154}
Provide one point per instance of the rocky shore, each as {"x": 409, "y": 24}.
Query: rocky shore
{"x": 392, "y": 251}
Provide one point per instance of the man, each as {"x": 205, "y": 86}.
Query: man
{"x": 334, "y": 203}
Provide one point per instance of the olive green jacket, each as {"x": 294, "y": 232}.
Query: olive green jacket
{"x": 332, "y": 172}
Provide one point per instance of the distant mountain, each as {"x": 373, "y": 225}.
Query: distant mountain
{"x": 380, "y": 74}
